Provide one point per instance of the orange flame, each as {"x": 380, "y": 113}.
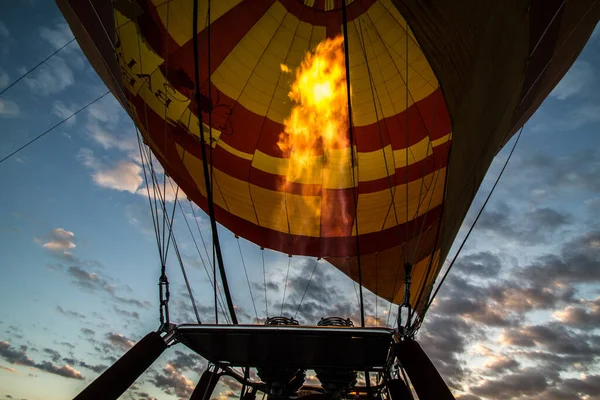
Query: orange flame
{"x": 318, "y": 122}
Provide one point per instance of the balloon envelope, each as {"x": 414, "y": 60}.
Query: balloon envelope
{"x": 437, "y": 88}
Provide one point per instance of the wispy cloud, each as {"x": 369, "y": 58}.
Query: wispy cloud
{"x": 58, "y": 36}
{"x": 105, "y": 125}
{"x": 19, "y": 357}
{"x": 6, "y": 42}
{"x": 90, "y": 280}
{"x": 70, "y": 313}
{"x": 172, "y": 382}
{"x": 169, "y": 192}
{"x": 59, "y": 240}
{"x": 120, "y": 340}
{"x": 4, "y": 79}
{"x": 473, "y": 309}
{"x": 63, "y": 111}
{"x": 123, "y": 176}
{"x": 579, "y": 80}
{"x": 127, "y": 314}
{"x": 4, "y": 33}
{"x": 8, "y": 108}
{"x": 51, "y": 78}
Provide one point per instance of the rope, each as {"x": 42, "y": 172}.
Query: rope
{"x": 306, "y": 288}
{"x": 220, "y": 302}
{"x": 165, "y": 146}
{"x": 406, "y": 135}
{"x": 262, "y": 253}
{"x": 187, "y": 282}
{"x": 351, "y": 139}
{"x": 208, "y": 185}
{"x": 163, "y": 281}
{"x": 215, "y": 289}
{"x": 52, "y": 128}
{"x": 220, "y": 294}
{"x": 152, "y": 213}
{"x": 36, "y": 66}
{"x": 247, "y": 278}
{"x": 285, "y": 286}
{"x": 210, "y": 134}
{"x": 474, "y": 222}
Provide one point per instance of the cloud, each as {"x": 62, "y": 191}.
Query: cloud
{"x": 7, "y": 41}
{"x": 98, "y": 368}
{"x": 472, "y": 310}
{"x": 471, "y": 302}
{"x": 535, "y": 226}
{"x": 111, "y": 128}
{"x": 172, "y": 382}
{"x": 88, "y": 332}
{"x": 123, "y": 176}
{"x": 587, "y": 386}
{"x": 577, "y": 262}
{"x": 169, "y": 193}
{"x": 8, "y": 108}
{"x": 580, "y": 78}
{"x": 65, "y": 370}
{"x": 4, "y": 33}
{"x": 187, "y": 361}
{"x": 555, "y": 176}
{"x": 143, "y": 396}
{"x": 128, "y": 314}
{"x": 553, "y": 339}
{"x": 444, "y": 339}
{"x": 70, "y": 313}
{"x": 523, "y": 383}
{"x": 4, "y": 79}
{"x": 59, "y": 240}
{"x": 500, "y": 364}
{"x": 63, "y": 112}
{"x": 19, "y": 357}
{"x": 586, "y": 317}
{"x": 55, "y": 355}
{"x": 56, "y": 37}
{"x": 482, "y": 264}
{"x": 51, "y": 78}
{"x": 120, "y": 340}
{"x": 132, "y": 302}
{"x": 89, "y": 280}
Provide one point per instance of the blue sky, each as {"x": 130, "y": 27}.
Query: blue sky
{"x": 80, "y": 264}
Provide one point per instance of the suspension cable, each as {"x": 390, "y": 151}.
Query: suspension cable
{"x": 210, "y": 280}
{"x": 207, "y": 182}
{"x": 286, "y": 282}
{"x": 247, "y": 278}
{"x": 214, "y": 276}
{"x": 220, "y": 300}
{"x": 52, "y": 128}
{"x": 152, "y": 210}
{"x": 306, "y": 288}
{"x": 353, "y": 161}
{"x": 474, "y": 223}
{"x": 185, "y": 278}
{"x": 262, "y": 253}
{"x": 36, "y": 66}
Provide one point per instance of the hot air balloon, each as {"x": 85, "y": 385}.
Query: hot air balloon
{"x": 357, "y": 131}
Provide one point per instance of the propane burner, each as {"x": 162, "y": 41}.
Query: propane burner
{"x": 283, "y": 382}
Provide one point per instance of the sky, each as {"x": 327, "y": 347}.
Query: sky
{"x": 517, "y": 318}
